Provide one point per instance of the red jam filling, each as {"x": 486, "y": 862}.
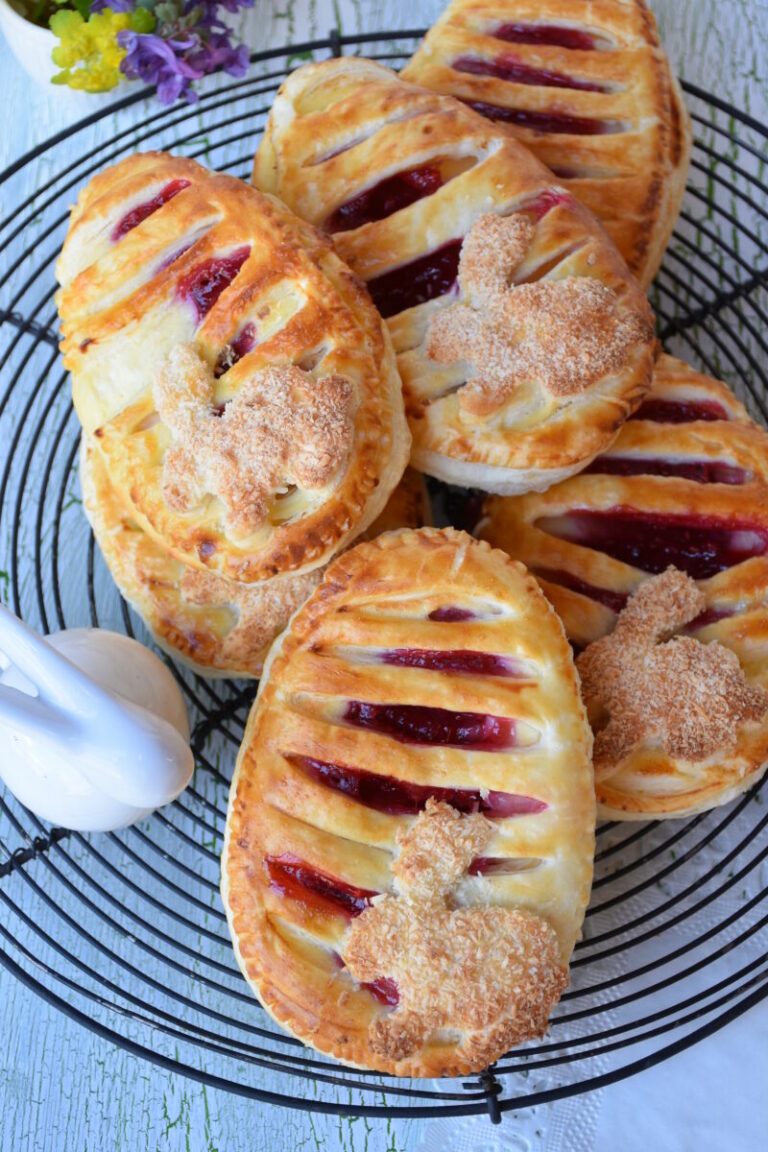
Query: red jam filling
{"x": 436, "y": 273}
{"x": 500, "y": 865}
{"x": 402, "y": 798}
{"x": 701, "y": 471}
{"x": 618, "y": 600}
{"x": 451, "y": 614}
{"x": 174, "y": 256}
{"x": 457, "y": 660}
{"x": 537, "y": 208}
{"x": 679, "y": 411}
{"x": 385, "y": 198}
{"x": 547, "y": 34}
{"x": 613, "y": 600}
{"x": 383, "y": 990}
{"x": 564, "y": 173}
{"x": 421, "y": 724}
{"x": 709, "y": 616}
{"x": 204, "y": 284}
{"x": 298, "y": 880}
{"x": 424, "y": 279}
{"x": 133, "y": 218}
{"x": 557, "y": 122}
{"x": 518, "y": 72}
{"x": 242, "y": 344}
{"x": 698, "y": 545}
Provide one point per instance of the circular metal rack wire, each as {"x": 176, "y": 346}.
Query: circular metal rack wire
{"x": 125, "y": 933}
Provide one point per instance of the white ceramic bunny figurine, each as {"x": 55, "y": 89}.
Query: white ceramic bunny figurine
{"x": 93, "y": 726}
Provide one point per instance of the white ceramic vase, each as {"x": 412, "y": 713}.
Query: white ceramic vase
{"x": 30, "y": 44}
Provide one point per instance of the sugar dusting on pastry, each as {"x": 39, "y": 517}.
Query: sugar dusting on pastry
{"x": 262, "y": 609}
{"x": 282, "y": 427}
{"x": 689, "y": 697}
{"x": 493, "y": 250}
{"x": 490, "y": 972}
{"x": 566, "y": 334}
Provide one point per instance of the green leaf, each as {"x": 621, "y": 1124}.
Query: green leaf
{"x": 167, "y": 11}
{"x": 83, "y": 7}
{"x": 142, "y": 21}
{"x": 298, "y": 57}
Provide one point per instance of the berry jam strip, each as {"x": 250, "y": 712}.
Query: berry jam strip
{"x": 423, "y": 279}
{"x": 502, "y": 865}
{"x": 618, "y": 600}
{"x": 700, "y": 471}
{"x": 243, "y": 343}
{"x": 300, "y": 881}
{"x": 516, "y": 71}
{"x": 701, "y": 546}
{"x": 461, "y": 661}
{"x": 137, "y": 215}
{"x": 403, "y": 798}
{"x": 385, "y": 198}
{"x": 613, "y": 600}
{"x": 451, "y": 614}
{"x": 203, "y": 285}
{"x": 422, "y": 724}
{"x": 383, "y": 990}
{"x": 679, "y": 411}
{"x": 556, "y": 35}
{"x": 559, "y": 123}
{"x": 436, "y": 273}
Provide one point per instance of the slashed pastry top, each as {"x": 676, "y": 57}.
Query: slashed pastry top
{"x": 586, "y": 85}
{"x": 684, "y": 487}
{"x": 216, "y": 626}
{"x": 523, "y": 342}
{"x": 238, "y": 382}
{"x": 409, "y": 841}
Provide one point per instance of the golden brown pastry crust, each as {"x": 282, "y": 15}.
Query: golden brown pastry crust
{"x": 341, "y": 127}
{"x": 131, "y": 301}
{"x": 650, "y": 783}
{"x": 633, "y": 177}
{"x": 380, "y": 595}
{"x": 215, "y": 626}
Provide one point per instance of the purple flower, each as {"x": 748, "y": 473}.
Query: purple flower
{"x": 161, "y": 62}
{"x": 191, "y": 40}
{"x": 115, "y": 5}
{"x": 218, "y": 52}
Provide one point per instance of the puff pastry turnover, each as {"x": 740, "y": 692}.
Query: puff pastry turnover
{"x": 665, "y": 536}
{"x": 587, "y": 87}
{"x": 239, "y": 383}
{"x": 523, "y": 342}
{"x": 409, "y": 841}
{"x": 215, "y": 626}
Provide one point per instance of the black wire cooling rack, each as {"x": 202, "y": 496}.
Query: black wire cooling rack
{"x": 125, "y": 933}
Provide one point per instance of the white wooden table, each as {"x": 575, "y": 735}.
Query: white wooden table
{"x": 62, "y": 1089}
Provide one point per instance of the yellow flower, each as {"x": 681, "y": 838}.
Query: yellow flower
{"x": 88, "y": 52}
